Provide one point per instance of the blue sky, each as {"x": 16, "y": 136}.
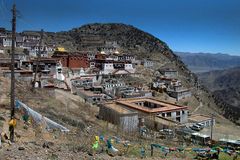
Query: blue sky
{"x": 185, "y": 25}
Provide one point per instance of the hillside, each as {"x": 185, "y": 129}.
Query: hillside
{"x": 221, "y": 79}
{"x": 143, "y": 45}
{"x": 72, "y": 111}
{"x": 130, "y": 40}
{"x": 225, "y": 86}
{"x": 204, "y": 62}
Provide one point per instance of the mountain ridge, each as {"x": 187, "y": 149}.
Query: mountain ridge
{"x": 225, "y": 87}
{"x": 204, "y": 62}
{"x": 115, "y": 31}
{"x": 131, "y": 40}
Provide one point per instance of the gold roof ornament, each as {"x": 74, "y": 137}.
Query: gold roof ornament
{"x": 60, "y": 49}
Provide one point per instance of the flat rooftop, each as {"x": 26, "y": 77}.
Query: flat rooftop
{"x": 18, "y": 71}
{"x": 200, "y": 135}
{"x": 180, "y": 90}
{"x": 161, "y": 106}
{"x": 81, "y": 78}
{"x": 199, "y": 118}
{"x": 117, "y": 108}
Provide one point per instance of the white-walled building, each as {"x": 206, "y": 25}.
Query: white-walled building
{"x": 169, "y": 73}
{"x": 7, "y": 42}
{"x": 116, "y": 68}
{"x": 147, "y": 63}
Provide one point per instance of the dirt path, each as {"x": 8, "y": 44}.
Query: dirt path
{"x": 198, "y": 107}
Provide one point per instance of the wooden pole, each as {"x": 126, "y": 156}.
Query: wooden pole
{"x": 11, "y": 127}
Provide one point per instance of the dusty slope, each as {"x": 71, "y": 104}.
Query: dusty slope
{"x": 137, "y": 42}
{"x": 225, "y": 86}
{"x": 66, "y": 109}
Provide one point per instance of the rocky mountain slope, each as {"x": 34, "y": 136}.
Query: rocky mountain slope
{"x": 130, "y": 39}
{"x": 141, "y": 44}
{"x": 134, "y": 41}
{"x": 204, "y": 62}
{"x": 225, "y": 86}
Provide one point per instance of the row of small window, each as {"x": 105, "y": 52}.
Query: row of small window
{"x": 169, "y": 114}
{"x": 126, "y": 57}
{"x": 111, "y": 65}
{"x": 128, "y": 65}
{"x": 96, "y": 99}
{"x": 114, "y": 85}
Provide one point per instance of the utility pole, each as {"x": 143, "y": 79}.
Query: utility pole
{"x": 11, "y": 127}
{"x": 38, "y": 59}
{"x": 211, "y": 127}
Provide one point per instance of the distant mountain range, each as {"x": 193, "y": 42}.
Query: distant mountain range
{"x": 204, "y": 62}
{"x": 225, "y": 86}
{"x": 220, "y": 74}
